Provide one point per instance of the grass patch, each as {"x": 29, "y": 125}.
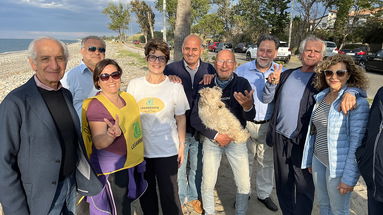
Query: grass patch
{"x": 138, "y": 58}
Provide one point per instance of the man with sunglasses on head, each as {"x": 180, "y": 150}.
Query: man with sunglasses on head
{"x": 79, "y": 80}
{"x": 190, "y": 70}
{"x": 293, "y": 95}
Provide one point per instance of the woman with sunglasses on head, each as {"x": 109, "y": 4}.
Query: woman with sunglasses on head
{"x": 333, "y": 137}
{"x": 162, "y": 106}
{"x": 113, "y": 139}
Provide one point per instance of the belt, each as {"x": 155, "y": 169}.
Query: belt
{"x": 260, "y": 122}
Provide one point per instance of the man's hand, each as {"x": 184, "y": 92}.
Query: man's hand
{"x": 223, "y": 139}
{"x": 246, "y": 101}
{"x": 175, "y": 79}
{"x": 344, "y": 188}
{"x": 274, "y": 77}
{"x": 113, "y": 130}
{"x": 207, "y": 78}
{"x": 348, "y": 103}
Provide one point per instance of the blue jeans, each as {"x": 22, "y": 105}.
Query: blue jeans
{"x": 189, "y": 179}
{"x": 65, "y": 195}
{"x": 331, "y": 202}
{"x": 237, "y": 156}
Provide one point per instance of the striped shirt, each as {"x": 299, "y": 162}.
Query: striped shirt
{"x": 319, "y": 120}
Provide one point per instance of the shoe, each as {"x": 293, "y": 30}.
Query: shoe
{"x": 196, "y": 205}
{"x": 269, "y": 204}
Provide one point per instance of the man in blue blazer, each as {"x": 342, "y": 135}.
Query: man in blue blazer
{"x": 42, "y": 158}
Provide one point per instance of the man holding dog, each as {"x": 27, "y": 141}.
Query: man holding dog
{"x": 190, "y": 70}
{"x": 237, "y": 96}
{"x": 257, "y": 72}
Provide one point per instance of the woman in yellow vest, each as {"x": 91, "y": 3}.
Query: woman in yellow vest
{"x": 113, "y": 137}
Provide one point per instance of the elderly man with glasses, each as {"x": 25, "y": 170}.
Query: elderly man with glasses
{"x": 79, "y": 80}
{"x": 237, "y": 97}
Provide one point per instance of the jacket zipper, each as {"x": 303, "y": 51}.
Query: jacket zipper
{"x": 373, "y": 161}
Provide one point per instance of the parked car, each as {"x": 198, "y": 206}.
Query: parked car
{"x": 284, "y": 53}
{"x": 211, "y": 47}
{"x": 356, "y": 50}
{"x": 136, "y": 42}
{"x": 373, "y": 62}
{"x": 240, "y": 48}
{"x": 331, "y": 49}
{"x": 223, "y": 46}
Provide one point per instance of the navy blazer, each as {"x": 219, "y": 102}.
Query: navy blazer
{"x": 30, "y": 153}
{"x": 178, "y": 68}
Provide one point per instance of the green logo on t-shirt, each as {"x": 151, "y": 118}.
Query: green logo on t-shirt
{"x": 150, "y": 102}
{"x": 137, "y": 130}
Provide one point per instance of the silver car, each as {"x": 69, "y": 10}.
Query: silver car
{"x": 331, "y": 49}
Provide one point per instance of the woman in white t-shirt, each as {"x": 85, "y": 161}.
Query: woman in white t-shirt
{"x": 162, "y": 105}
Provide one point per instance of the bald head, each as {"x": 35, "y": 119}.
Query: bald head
{"x": 225, "y": 64}
{"x": 192, "y": 50}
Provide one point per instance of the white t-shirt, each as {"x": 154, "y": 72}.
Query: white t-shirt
{"x": 158, "y": 104}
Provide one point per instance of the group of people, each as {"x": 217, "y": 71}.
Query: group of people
{"x": 310, "y": 129}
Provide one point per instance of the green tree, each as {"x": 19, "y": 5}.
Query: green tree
{"x": 342, "y": 19}
{"x": 119, "y": 16}
{"x": 199, "y": 9}
{"x": 274, "y": 12}
{"x": 145, "y": 18}
{"x": 210, "y": 25}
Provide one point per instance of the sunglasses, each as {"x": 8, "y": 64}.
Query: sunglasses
{"x": 115, "y": 75}
{"x": 93, "y": 49}
{"x": 339, "y": 73}
{"x": 153, "y": 58}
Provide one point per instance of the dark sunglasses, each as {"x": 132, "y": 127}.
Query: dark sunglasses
{"x": 115, "y": 75}
{"x": 153, "y": 58}
{"x": 93, "y": 49}
{"x": 339, "y": 73}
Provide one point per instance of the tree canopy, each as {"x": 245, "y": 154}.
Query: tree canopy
{"x": 119, "y": 16}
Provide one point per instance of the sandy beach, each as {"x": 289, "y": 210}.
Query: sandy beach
{"x": 15, "y": 71}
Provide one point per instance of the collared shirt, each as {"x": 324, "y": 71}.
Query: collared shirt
{"x": 79, "y": 81}
{"x": 191, "y": 71}
{"x": 257, "y": 81}
{"x": 44, "y": 86}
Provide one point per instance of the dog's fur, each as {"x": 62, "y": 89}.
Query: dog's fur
{"x": 216, "y": 116}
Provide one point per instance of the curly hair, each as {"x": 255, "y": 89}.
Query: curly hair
{"x": 157, "y": 44}
{"x": 100, "y": 66}
{"x": 358, "y": 77}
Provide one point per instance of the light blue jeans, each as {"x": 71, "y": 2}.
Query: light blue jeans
{"x": 65, "y": 194}
{"x": 189, "y": 177}
{"x": 331, "y": 202}
{"x": 238, "y": 159}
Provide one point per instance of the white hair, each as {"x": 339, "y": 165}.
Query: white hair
{"x": 32, "y": 47}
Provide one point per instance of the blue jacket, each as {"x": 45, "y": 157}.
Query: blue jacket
{"x": 344, "y": 136}
{"x": 178, "y": 69}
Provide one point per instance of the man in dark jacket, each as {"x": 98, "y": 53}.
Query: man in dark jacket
{"x": 370, "y": 156}
{"x": 237, "y": 96}
{"x": 190, "y": 70}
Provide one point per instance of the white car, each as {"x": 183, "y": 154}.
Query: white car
{"x": 331, "y": 49}
{"x": 284, "y": 53}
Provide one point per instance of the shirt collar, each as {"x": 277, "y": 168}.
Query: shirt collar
{"x": 84, "y": 68}
{"x": 187, "y": 66}
{"x": 44, "y": 86}
{"x": 254, "y": 67}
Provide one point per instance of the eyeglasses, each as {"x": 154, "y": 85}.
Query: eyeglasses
{"x": 339, "y": 73}
{"x": 228, "y": 62}
{"x": 94, "y": 48}
{"x": 115, "y": 75}
{"x": 153, "y": 58}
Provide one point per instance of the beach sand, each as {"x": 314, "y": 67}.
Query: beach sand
{"x": 15, "y": 71}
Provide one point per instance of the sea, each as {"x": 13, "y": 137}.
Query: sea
{"x": 12, "y": 45}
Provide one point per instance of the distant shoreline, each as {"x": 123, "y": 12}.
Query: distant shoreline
{"x": 19, "y": 45}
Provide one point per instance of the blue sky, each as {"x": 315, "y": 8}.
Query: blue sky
{"x": 63, "y": 19}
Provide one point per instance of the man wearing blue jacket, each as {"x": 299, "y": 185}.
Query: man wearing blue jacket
{"x": 237, "y": 96}
{"x": 190, "y": 70}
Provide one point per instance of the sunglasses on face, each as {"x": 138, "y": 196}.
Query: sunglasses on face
{"x": 339, "y": 73}
{"x": 94, "y": 48}
{"x": 153, "y": 58}
{"x": 115, "y": 75}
